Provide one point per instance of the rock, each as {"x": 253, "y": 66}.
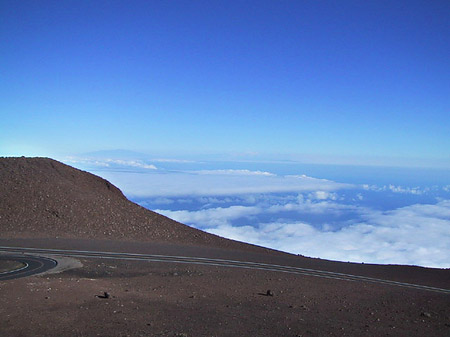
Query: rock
{"x": 267, "y": 293}
{"x": 425, "y": 314}
{"x": 105, "y": 295}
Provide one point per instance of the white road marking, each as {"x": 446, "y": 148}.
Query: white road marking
{"x": 15, "y": 270}
{"x": 219, "y": 263}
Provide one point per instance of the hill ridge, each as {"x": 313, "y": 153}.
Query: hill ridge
{"x": 41, "y": 197}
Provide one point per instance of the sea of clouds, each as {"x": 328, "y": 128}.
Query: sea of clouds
{"x": 296, "y": 213}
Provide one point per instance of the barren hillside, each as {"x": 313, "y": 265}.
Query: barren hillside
{"x": 41, "y": 197}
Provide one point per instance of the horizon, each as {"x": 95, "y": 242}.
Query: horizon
{"x": 381, "y": 162}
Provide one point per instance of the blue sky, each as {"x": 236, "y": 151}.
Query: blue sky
{"x": 321, "y": 81}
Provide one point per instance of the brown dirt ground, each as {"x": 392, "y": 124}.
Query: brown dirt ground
{"x": 154, "y": 299}
{"x": 9, "y": 265}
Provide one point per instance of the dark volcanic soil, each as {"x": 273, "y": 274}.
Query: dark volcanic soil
{"x": 154, "y": 299}
{"x": 44, "y": 203}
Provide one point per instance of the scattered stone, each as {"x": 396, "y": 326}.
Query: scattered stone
{"x": 425, "y": 314}
{"x": 267, "y": 293}
{"x": 105, "y": 295}
{"x": 304, "y": 307}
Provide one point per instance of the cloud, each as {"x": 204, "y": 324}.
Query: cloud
{"x": 194, "y": 184}
{"x": 157, "y": 201}
{"x": 212, "y": 216}
{"x": 235, "y": 172}
{"x": 396, "y": 189}
{"x": 109, "y": 163}
{"x": 323, "y": 207}
{"x": 138, "y": 179}
{"x": 400, "y": 189}
{"x": 416, "y": 235}
{"x": 171, "y": 160}
{"x": 268, "y": 206}
{"x": 132, "y": 163}
{"x": 322, "y": 195}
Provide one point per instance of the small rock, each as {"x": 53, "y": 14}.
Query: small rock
{"x": 105, "y": 295}
{"x": 269, "y": 293}
{"x": 425, "y": 314}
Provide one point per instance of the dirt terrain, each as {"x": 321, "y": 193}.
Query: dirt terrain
{"x": 8, "y": 265}
{"x": 47, "y": 204}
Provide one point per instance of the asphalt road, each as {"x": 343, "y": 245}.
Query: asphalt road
{"x": 33, "y": 265}
{"x": 85, "y": 254}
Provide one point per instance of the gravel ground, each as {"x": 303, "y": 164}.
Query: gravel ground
{"x": 154, "y": 299}
{"x": 9, "y": 265}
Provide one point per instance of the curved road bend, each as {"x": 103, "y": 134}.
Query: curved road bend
{"x": 217, "y": 262}
{"x": 33, "y": 265}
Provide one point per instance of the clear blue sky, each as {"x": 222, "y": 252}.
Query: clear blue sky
{"x": 323, "y": 78}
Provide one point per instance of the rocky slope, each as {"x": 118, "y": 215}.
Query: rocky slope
{"x": 41, "y": 197}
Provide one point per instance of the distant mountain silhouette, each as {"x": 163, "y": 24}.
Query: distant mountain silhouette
{"x": 41, "y": 197}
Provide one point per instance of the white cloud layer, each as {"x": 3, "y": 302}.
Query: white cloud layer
{"x": 110, "y": 163}
{"x": 235, "y": 172}
{"x": 415, "y": 235}
{"x": 397, "y": 189}
{"x": 160, "y": 183}
{"x": 213, "y": 216}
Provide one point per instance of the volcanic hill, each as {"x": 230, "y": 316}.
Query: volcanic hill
{"x": 43, "y": 198}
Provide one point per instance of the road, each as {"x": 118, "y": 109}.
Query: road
{"x": 86, "y": 254}
{"x": 33, "y": 265}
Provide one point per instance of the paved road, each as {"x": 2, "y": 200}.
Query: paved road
{"x": 33, "y": 265}
{"x": 216, "y": 262}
